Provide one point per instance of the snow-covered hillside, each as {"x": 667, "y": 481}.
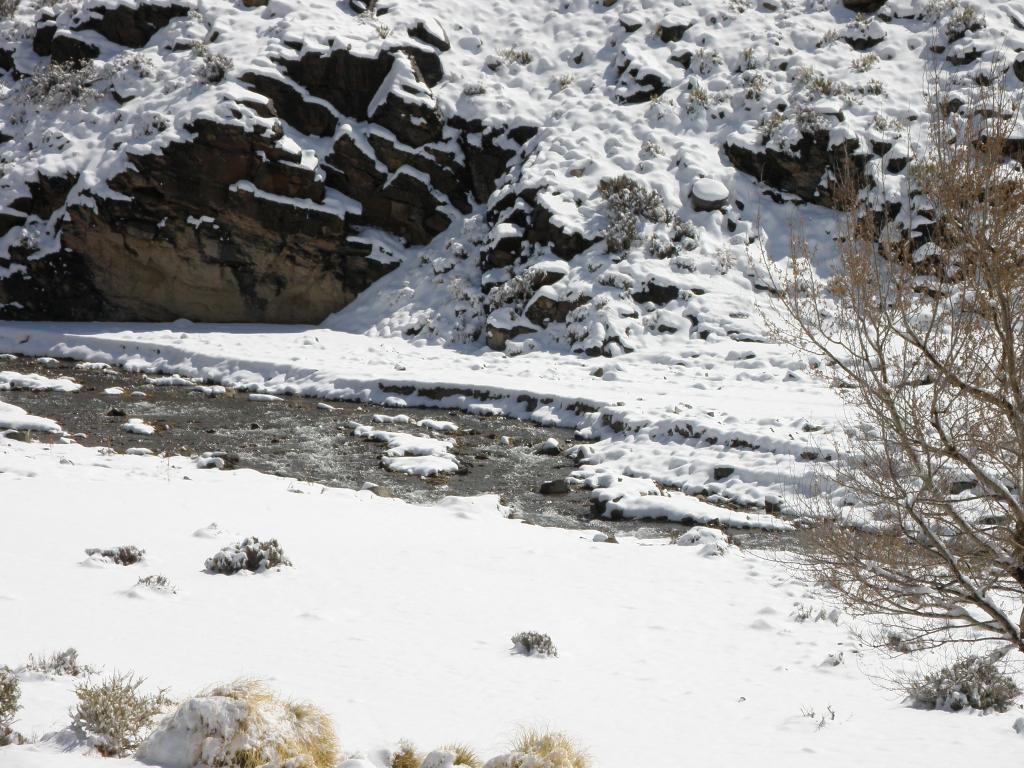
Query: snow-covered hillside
{"x": 265, "y": 160}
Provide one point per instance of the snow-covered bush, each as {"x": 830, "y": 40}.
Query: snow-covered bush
{"x": 542, "y": 749}
{"x": 519, "y": 56}
{"x": 59, "y": 663}
{"x": 250, "y": 554}
{"x": 626, "y": 202}
{"x": 10, "y": 695}
{"x": 126, "y": 555}
{"x": 158, "y": 583}
{"x": 970, "y": 682}
{"x": 213, "y": 67}
{"x": 55, "y": 85}
{"x": 240, "y": 725}
{"x": 712, "y": 541}
{"x": 534, "y": 644}
{"x": 115, "y": 715}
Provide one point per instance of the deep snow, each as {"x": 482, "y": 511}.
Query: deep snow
{"x": 396, "y": 619}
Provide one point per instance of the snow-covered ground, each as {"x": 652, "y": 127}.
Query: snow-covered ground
{"x": 396, "y": 619}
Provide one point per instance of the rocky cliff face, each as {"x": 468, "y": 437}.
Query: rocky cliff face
{"x": 590, "y": 176}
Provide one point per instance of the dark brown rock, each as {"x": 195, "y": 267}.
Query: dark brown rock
{"x": 131, "y": 26}
{"x": 671, "y": 30}
{"x": 497, "y": 336}
{"x": 657, "y": 293}
{"x": 307, "y": 116}
{"x": 544, "y": 310}
{"x": 178, "y": 241}
{"x": 346, "y": 81}
{"x": 863, "y": 6}
{"x": 544, "y": 231}
{"x": 427, "y": 61}
{"x": 66, "y": 48}
{"x": 425, "y": 33}
{"x": 801, "y": 172}
{"x": 400, "y": 203}
{"x": 43, "y": 39}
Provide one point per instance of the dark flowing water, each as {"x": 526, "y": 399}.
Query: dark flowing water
{"x": 295, "y": 437}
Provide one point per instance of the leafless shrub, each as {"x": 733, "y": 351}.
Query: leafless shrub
{"x": 114, "y": 715}
{"x": 10, "y": 696}
{"x": 519, "y": 56}
{"x": 534, "y": 644}
{"x": 126, "y": 555}
{"x": 7, "y": 8}
{"x": 921, "y": 331}
{"x": 59, "y": 663}
{"x": 55, "y": 85}
{"x": 157, "y": 583}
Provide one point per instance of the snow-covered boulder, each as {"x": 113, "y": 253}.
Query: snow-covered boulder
{"x": 709, "y": 195}
{"x": 712, "y": 542}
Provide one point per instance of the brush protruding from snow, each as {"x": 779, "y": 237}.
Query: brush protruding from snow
{"x": 242, "y": 724}
{"x": 250, "y": 554}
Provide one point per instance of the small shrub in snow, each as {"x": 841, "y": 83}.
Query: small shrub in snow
{"x": 970, "y": 682}
{"x": 464, "y": 755}
{"x": 406, "y": 756}
{"x": 158, "y": 583}
{"x": 250, "y": 554}
{"x": 865, "y": 63}
{"x": 55, "y": 85}
{"x": 213, "y": 67}
{"x": 711, "y": 540}
{"x": 126, "y": 555}
{"x": 60, "y": 663}
{"x": 516, "y": 56}
{"x": 534, "y": 644}
{"x": 542, "y": 749}
{"x": 114, "y": 715}
{"x": 243, "y": 725}
{"x": 626, "y": 202}
{"x": 10, "y": 695}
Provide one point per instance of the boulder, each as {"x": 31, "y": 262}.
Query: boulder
{"x": 709, "y": 195}
{"x": 863, "y": 6}
{"x": 672, "y": 28}
{"x": 65, "y": 47}
{"x": 430, "y": 31}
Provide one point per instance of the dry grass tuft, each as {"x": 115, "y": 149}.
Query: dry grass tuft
{"x": 552, "y": 748}
{"x": 406, "y": 756}
{"x": 464, "y": 755}
{"x": 311, "y": 735}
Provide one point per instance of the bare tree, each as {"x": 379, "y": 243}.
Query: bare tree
{"x": 921, "y": 331}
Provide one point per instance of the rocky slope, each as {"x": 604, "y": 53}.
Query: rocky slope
{"x": 582, "y": 175}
